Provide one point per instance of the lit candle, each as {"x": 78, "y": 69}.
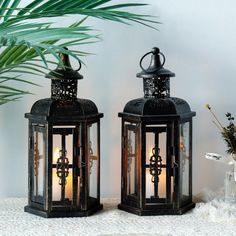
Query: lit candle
{"x": 56, "y": 154}
{"x": 56, "y": 190}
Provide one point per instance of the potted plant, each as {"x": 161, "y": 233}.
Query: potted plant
{"x": 25, "y": 39}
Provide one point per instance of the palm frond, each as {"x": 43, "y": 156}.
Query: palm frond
{"x": 25, "y": 43}
{"x": 13, "y": 6}
{"x": 16, "y": 78}
{"x": 7, "y": 91}
{"x": 4, "y": 6}
{"x": 94, "y": 8}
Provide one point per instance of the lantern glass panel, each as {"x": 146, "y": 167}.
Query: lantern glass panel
{"x": 62, "y": 171}
{"x": 93, "y": 160}
{"x": 131, "y": 158}
{"x": 159, "y": 183}
{"x": 39, "y": 159}
{"x": 155, "y": 163}
{"x": 185, "y": 159}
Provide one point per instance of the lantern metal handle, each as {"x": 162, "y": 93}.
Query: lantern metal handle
{"x": 63, "y": 55}
{"x": 79, "y": 66}
{"x": 154, "y": 51}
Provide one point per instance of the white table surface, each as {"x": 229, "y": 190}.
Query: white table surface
{"x": 213, "y": 218}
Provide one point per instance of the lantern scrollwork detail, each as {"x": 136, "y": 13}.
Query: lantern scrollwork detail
{"x": 62, "y": 168}
{"x": 91, "y": 157}
{"x": 155, "y": 165}
{"x": 36, "y": 159}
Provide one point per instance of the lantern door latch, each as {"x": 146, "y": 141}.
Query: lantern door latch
{"x": 175, "y": 169}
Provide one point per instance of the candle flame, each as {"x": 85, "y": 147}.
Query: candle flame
{"x": 56, "y": 154}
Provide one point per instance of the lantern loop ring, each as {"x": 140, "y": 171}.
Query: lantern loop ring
{"x": 79, "y": 66}
{"x": 156, "y": 69}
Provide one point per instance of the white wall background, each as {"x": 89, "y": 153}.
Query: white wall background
{"x": 198, "y": 39}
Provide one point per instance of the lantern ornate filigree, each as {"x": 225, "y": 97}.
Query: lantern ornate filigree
{"x": 155, "y": 164}
{"x": 156, "y": 88}
{"x": 64, "y": 90}
{"x": 61, "y": 88}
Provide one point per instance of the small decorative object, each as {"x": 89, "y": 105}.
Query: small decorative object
{"x": 64, "y": 150}
{"x": 230, "y": 186}
{"x": 156, "y": 147}
{"x": 229, "y": 135}
{"x": 230, "y": 181}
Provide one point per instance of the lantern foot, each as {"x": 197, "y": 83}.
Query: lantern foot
{"x": 63, "y": 213}
{"x": 156, "y": 211}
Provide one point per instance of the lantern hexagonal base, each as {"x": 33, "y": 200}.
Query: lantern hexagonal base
{"x": 156, "y": 211}
{"x": 57, "y": 214}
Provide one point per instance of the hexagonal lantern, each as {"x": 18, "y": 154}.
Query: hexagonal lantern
{"x": 64, "y": 150}
{"x": 156, "y": 147}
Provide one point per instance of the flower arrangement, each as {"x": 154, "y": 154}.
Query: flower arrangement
{"x": 228, "y": 132}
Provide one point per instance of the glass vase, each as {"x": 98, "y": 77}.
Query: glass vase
{"x": 230, "y": 187}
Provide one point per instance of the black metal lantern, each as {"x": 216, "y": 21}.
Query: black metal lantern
{"x": 64, "y": 150}
{"x": 156, "y": 147}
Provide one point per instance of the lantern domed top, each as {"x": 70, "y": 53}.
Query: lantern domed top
{"x": 50, "y": 109}
{"x": 152, "y": 107}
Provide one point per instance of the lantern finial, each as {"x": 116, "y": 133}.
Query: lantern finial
{"x": 66, "y": 62}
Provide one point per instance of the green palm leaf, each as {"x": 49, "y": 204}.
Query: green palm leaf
{"x": 25, "y": 44}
